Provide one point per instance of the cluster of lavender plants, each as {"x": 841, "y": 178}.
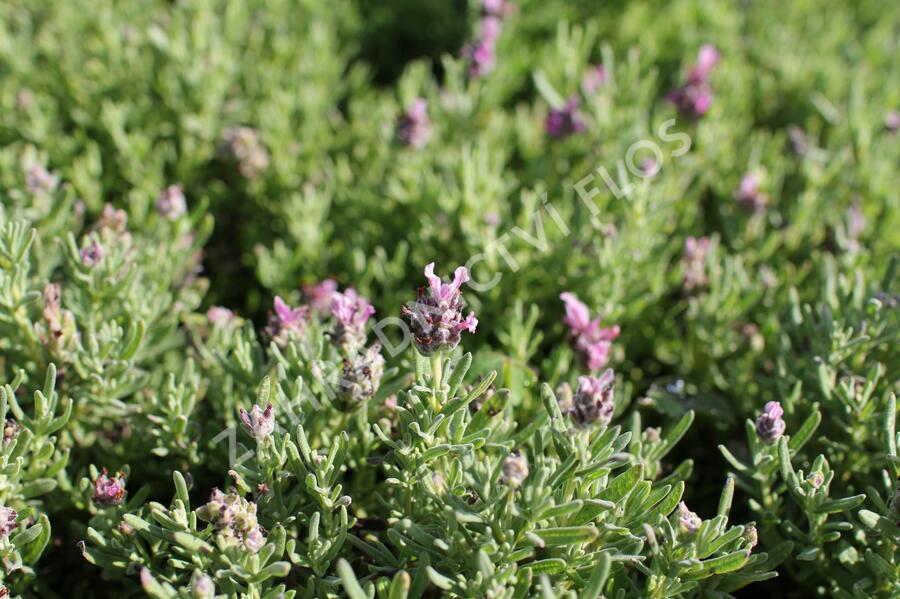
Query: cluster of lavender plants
{"x": 601, "y": 303}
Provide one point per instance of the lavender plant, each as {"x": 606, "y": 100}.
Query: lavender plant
{"x": 675, "y": 226}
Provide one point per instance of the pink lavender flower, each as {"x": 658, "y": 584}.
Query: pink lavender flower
{"x": 109, "y": 491}
{"x": 8, "y": 521}
{"x": 694, "y": 262}
{"x": 694, "y": 98}
{"x": 40, "y": 180}
{"x": 286, "y": 320}
{"x": 586, "y": 335}
{"x": 594, "y": 79}
{"x": 436, "y": 318}
{"x": 707, "y": 57}
{"x": 319, "y": 295}
{"x": 688, "y": 522}
{"x": 593, "y": 401}
{"x": 748, "y": 195}
{"x": 257, "y": 422}
{"x": 769, "y": 425}
{"x": 351, "y": 311}
{"x": 481, "y": 57}
{"x": 490, "y": 28}
{"x": 170, "y": 202}
{"x": 565, "y": 121}
{"x": 217, "y": 315}
{"x": 497, "y": 8}
{"x": 892, "y": 121}
{"x": 92, "y": 254}
{"x": 414, "y": 127}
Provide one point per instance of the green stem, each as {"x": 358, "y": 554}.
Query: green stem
{"x": 437, "y": 365}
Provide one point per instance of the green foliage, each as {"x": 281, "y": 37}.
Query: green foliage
{"x": 168, "y": 168}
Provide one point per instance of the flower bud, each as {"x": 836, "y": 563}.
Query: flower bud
{"x": 109, "y": 491}
{"x": 593, "y": 400}
{"x": 413, "y": 126}
{"x": 242, "y": 146}
{"x": 170, "y": 202}
{"x": 565, "y": 121}
{"x": 257, "y": 422}
{"x": 8, "y": 521}
{"x": 688, "y": 521}
{"x": 515, "y": 470}
{"x": 769, "y": 424}
{"x": 92, "y": 254}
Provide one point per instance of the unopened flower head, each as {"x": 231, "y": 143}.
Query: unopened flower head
{"x": 91, "y": 254}
{"x": 749, "y": 196}
{"x": 109, "y": 490}
{"x": 286, "y": 321}
{"x": 593, "y": 402}
{"x": 565, "y": 121}
{"x": 202, "y": 586}
{"x": 8, "y": 521}
{"x": 694, "y": 262}
{"x": 515, "y": 469}
{"x": 688, "y": 521}
{"x": 414, "y": 126}
{"x": 362, "y": 374}
{"x": 218, "y": 315}
{"x": 350, "y": 311}
{"x": 242, "y": 146}
{"x": 170, "y": 202}
{"x": 39, "y": 180}
{"x": 258, "y": 422}
{"x": 815, "y": 479}
{"x": 234, "y": 519}
{"x": 436, "y": 318}
{"x": 11, "y": 430}
{"x": 593, "y": 342}
{"x": 751, "y": 537}
{"x": 769, "y": 425}
{"x": 797, "y": 140}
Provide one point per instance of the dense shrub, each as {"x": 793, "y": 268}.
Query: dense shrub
{"x": 663, "y": 226}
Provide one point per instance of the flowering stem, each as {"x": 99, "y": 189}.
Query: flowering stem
{"x": 437, "y": 364}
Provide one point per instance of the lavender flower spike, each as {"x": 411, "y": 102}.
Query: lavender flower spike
{"x": 8, "y": 523}
{"x": 319, "y": 294}
{"x": 170, "y": 202}
{"x": 587, "y": 336}
{"x": 770, "y": 426}
{"x": 351, "y": 311}
{"x": 694, "y": 98}
{"x": 258, "y": 422}
{"x": 414, "y": 127}
{"x": 565, "y": 121}
{"x": 436, "y": 318}
{"x": 286, "y": 320}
